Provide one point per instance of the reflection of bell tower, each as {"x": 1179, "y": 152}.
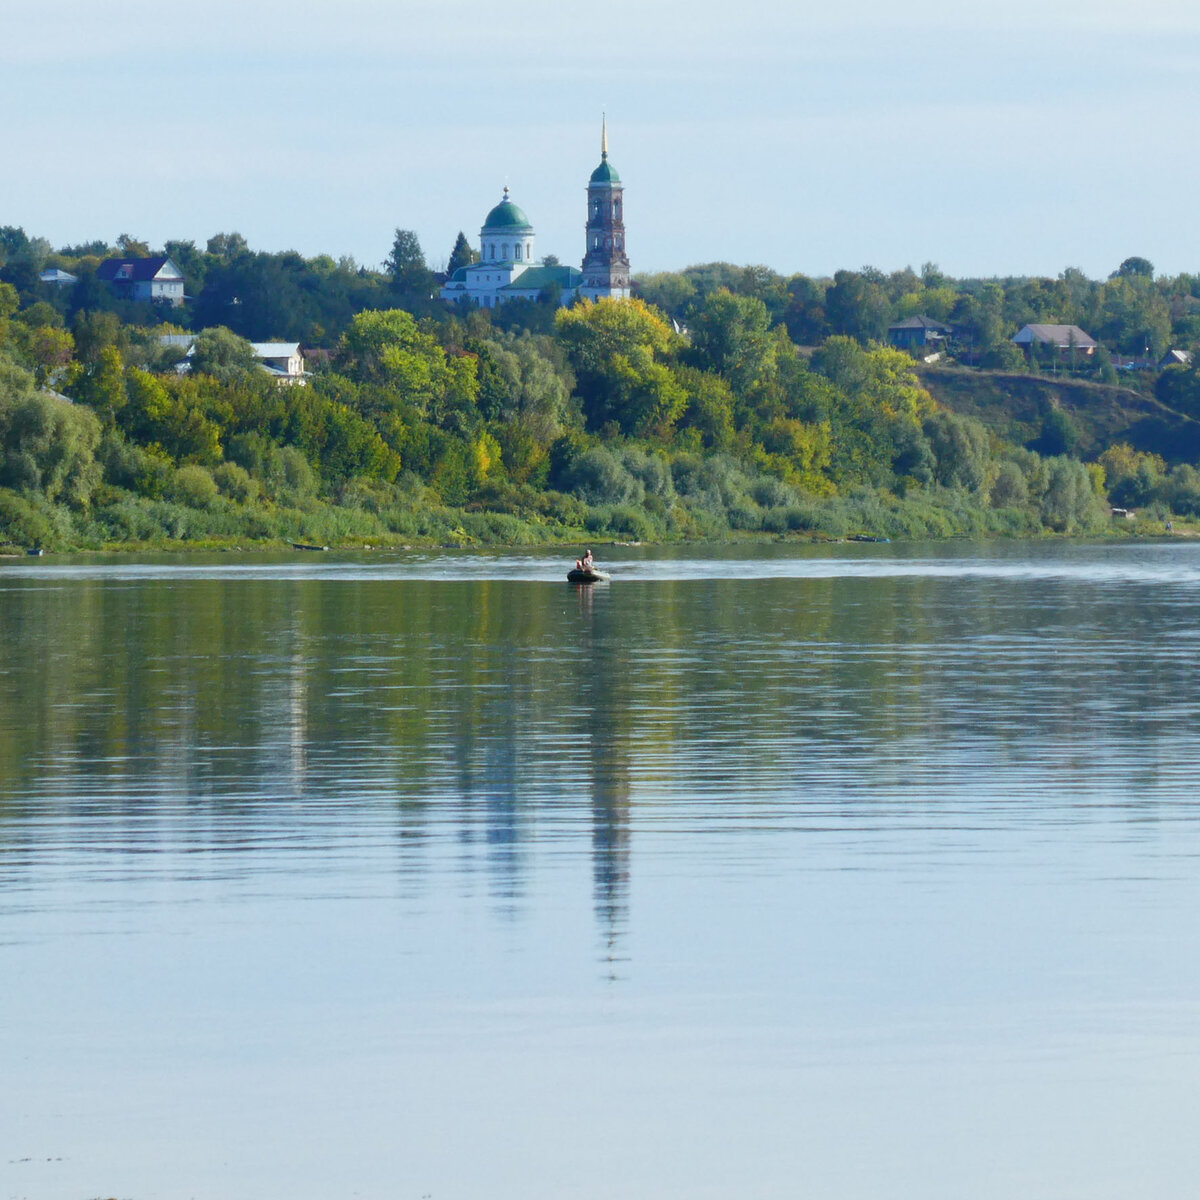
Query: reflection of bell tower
{"x": 605, "y": 265}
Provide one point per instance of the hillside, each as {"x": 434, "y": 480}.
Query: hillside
{"x": 1016, "y": 406}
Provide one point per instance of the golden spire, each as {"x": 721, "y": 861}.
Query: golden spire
{"x": 603, "y": 136}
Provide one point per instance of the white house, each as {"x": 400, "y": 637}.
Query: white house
{"x": 282, "y": 360}
{"x": 143, "y": 278}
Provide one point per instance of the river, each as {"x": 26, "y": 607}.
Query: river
{"x": 852, "y": 872}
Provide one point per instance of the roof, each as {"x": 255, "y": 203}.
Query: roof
{"x": 506, "y": 215}
{"x": 138, "y": 270}
{"x": 605, "y": 172}
{"x": 921, "y": 322}
{"x": 1174, "y": 358}
{"x": 535, "y": 278}
{"x": 275, "y": 349}
{"x": 57, "y": 275}
{"x": 1055, "y": 335}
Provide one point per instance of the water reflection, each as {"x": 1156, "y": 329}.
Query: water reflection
{"x": 470, "y": 722}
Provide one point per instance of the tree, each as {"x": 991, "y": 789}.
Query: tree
{"x": 130, "y": 247}
{"x": 1069, "y": 501}
{"x": 219, "y": 352}
{"x": 47, "y": 444}
{"x": 1134, "y": 266}
{"x": 1133, "y": 477}
{"x": 856, "y": 305}
{"x": 51, "y": 350}
{"x": 616, "y": 348}
{"x": 461, "y": 256}
{"x": 227, "y": 246}
{"x": 961, "y": 448}
{"x": 731, "y": 336}
{"x": 406, "y": 266}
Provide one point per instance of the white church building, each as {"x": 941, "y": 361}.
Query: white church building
{"x": 508, "y": 268}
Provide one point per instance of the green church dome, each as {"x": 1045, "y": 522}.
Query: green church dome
{"x": 605, "y": 172}
{"x": 506, "y": 215}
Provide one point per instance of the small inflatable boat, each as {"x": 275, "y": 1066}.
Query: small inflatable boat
{"x": 577, "y": 575}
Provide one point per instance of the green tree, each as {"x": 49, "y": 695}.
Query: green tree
{"x": 616, "y": 348}
{"x": 731, "y": 336}
{"x": 1069, "y": 502}
{"x": 961, "y": 449}
{"x": 406, "y": 267}
{"x": 131, "y": 247}
{"x": 226, "y": 246}
{"x": 462, "y": 255}
{"x": 51, "y": 350}
{"x": 1135, "y": 266}
{"x": 48, "y": 444}
{"x": 857, "y": 306}
{"x": 220, "y": 353}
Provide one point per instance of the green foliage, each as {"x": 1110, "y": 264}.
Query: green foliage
{"x": 224, "y": 356}
{"x": 857, "y": 306}
{"x": 236, "y": 483}
{"x": 619, "y": 351}
{"x": 193, "y": 486}
{"x": 1069, "y": 502}
{"x": 960, "y": 448}
{"x": 24, "y": 521}
{"x": 1133, "y": 478}
{"x": 691, "y": 416}
{"x": 462, "y": 255}
{"x": 48, "y": 444}
{"x": 1136, "y": 267}
{"x": 406, "y": 266}
{"x": 1059, "y": 435}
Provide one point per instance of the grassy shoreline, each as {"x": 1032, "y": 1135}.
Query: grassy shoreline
{"x": 569, "y": 542}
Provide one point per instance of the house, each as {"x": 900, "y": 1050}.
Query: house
{"x": 918, "y": 331}
{"x": 1175, "y": 358}
{"x": 143, "y": 278}
{"x": 1063, "y": 338}
{"x": 282, "y": 360}
{"x": 58, "y": 278}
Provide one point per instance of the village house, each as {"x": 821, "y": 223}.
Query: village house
{"x": 918, "y": 331}
{"x": 1064, "y": 338}
{"x": 283, "y": 361}
{"x": 143, "y": 278}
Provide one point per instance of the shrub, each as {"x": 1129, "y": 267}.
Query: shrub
{"x": 236, "y": 482}
{"x": 193, "y": 486}
{"x": 23, "y": 522}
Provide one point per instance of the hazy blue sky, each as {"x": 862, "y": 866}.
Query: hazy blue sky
{"x": 992, "y": 138}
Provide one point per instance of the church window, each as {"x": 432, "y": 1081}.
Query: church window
{"x": 517, "y": 255}
{"x": 504, "y": 249}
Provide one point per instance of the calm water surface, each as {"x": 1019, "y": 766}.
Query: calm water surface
{"x": 854, "y": 872}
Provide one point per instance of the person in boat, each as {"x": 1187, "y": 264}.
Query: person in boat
{"x": 587, "y": 562}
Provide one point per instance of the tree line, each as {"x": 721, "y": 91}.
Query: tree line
{"x": 722, "y": 400}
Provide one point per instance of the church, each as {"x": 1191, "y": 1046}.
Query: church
{"x": 509, "y": 270}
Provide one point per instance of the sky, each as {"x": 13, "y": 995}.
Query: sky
{"x": 1019, "y": 137}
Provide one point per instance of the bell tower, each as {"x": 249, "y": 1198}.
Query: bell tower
{"x": 605, "y": 264}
